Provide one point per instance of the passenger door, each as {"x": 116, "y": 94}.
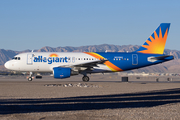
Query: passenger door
{"x": 134, "y": 59}
{"x": 29, "y": 59}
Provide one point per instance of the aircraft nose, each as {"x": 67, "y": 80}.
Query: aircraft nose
{"x": 6, "y": 65}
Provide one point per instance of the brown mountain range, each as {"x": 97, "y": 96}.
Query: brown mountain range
{"x": 170, "y": 67}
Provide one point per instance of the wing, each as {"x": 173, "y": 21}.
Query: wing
{"x": 90, "y": 64}
{"x": 86, "y": 66}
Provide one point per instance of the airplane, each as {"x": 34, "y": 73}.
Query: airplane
{"x": 67, "y": 64}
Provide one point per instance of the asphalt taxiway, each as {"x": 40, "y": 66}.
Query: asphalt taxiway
{"x": 103, "y": 97}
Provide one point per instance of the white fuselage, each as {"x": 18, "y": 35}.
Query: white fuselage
{"x": 46, "y": 61}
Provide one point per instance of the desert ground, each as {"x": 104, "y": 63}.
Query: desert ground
{"x": 104, "y": 97}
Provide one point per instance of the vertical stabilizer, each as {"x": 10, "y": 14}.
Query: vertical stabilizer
{"x": 155, "y": 44}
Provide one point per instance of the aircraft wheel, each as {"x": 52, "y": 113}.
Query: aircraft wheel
{"x": 30, "y": 79}
{"x": 85, "y": 78}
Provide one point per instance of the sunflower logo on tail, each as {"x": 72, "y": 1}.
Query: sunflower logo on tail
{"x": 155, "y": 44}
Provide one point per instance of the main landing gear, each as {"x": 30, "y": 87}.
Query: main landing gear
{"x": 85, "y": 78}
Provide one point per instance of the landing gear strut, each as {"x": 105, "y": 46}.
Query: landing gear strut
{"x": 30, "y": 78}
{"x": 85, "y": 78}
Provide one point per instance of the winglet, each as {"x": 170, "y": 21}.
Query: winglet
{"x": 156, "y": 42}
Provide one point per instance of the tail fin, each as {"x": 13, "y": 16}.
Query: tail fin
{"x": 156, "y": 42}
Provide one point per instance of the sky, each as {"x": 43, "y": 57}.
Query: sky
{"x": 33, "y": 24}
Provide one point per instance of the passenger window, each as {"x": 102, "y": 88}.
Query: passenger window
{"x": 18, "y": 58}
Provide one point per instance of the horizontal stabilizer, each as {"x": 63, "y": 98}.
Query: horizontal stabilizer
{"x": 166, "y": 57}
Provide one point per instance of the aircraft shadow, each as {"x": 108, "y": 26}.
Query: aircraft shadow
{"x": 115, "y": 101}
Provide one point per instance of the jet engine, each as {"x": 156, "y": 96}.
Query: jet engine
{"x": 61, "y": 73}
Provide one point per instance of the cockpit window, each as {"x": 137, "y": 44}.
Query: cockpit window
{"x": 16, "y": 58}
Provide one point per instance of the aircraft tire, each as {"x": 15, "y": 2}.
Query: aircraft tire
{"x": 85, "y": 78}
{"x": 30, "y": 79}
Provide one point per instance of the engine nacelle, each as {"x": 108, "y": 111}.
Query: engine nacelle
{"x": 61, "y": 73}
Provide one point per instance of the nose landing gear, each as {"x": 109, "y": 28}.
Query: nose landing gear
{"x": 30, "y": 78}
